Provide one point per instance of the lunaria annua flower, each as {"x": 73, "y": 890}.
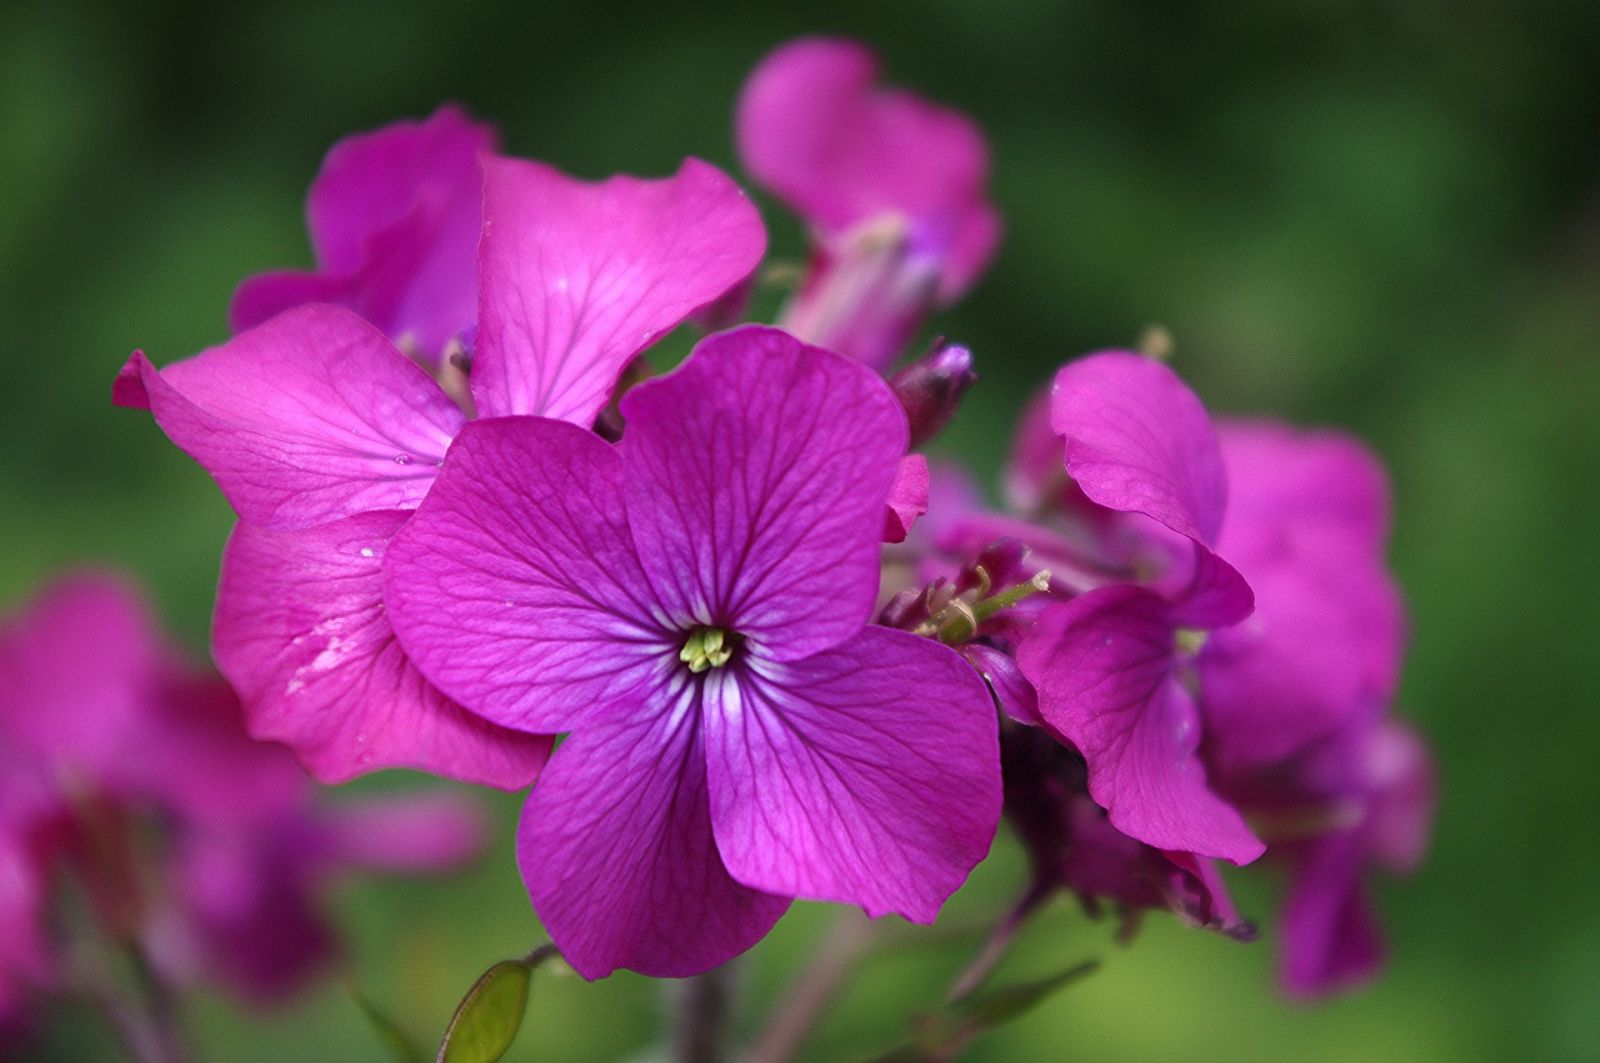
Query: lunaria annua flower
{"x": 394, "y": 217}
{"x": 1208, "y": 718}
{"x": 324, "y": 436}
{"x": 692, "y": 604}
{"x": 128, "y": 775}
{"x": 893, "y": 187}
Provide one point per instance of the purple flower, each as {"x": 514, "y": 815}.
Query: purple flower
{"x": 1112, "y": 666}
{"x": 1307, "y": 522}
{"x": 324, "y": 435}
{"x": 206, "y": 848}
{"x": 892, "y": 185}
{"x": 394, "y": 216}
{"x": 25, "y": 958}
{"x": 692, "y": 605}
{"x": 1294, "y": 697}
{"x": 1358, "y": 799}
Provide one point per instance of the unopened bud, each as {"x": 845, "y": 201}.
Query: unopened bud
{"x": 931, "y": 389}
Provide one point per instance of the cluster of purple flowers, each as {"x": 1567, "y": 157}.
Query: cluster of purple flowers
{"x": 471, "y": 520}
{"x": 136, "y": 814}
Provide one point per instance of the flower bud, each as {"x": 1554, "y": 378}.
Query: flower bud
{"x": 931, "y": 389}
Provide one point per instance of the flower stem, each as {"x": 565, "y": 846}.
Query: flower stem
{"x": 161, "y": 1004}
{"x": 805, "y": 1001}
{"x": 703, "y": 1012}
{"x": 995, "y": 947}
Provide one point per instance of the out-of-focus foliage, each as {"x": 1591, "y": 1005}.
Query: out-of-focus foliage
{"x": 1385, "y": 216}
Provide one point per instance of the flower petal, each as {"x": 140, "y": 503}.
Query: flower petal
{"x": 1139, "y": 441}
{"x": 1009, "y": 687}
{"x": 301, "y": 631}
{"x": 577, "y": 278}
{"x": 1321, "y": 648}
{"x": 25, "y": 954}
{"x": 908, "y": 498}
{"x": 1281, "y": 477}
{"x": 516, "y": 587}
{"x": 757, "y": 478}
{"x": 868, "y": 774}
{"x": 1307, "y": 520}
{"x": 250, "y": 906}
{"x": 812, "y": 127}
{"x": 616, "y": 848}
{"x": 78, "y": 672}
{"x": 1331, "y": 938}
{"x": 1103, "y": 666}
{"x": 395, "y": 216}
{"x": 406, "y": 832}
{"x": 311, "y": 417}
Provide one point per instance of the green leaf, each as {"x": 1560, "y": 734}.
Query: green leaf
{"x": 1001, "y": 1006}
{"x": 940, "y": 1036}
{"x": 399, "y": 1043}
{"x": 489, "y": 1016}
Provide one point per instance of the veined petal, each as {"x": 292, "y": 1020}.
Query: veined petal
{"x": 1103, "y": 666}
{"x": 1139, "y": 441}
{"x": 617, "y": 852}
{"x": 309, "y": 418}
{"x": 516, "y": 587}
{"x": 395, "y": 216}
{"x": 757, "y": 475}
{"x": 576, "y": 278}
{"x": 301, "y": 632}
{"x": 867, "y": 774}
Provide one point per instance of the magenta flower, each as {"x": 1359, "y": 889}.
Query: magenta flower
{"x": 394, "y": 216}
{"x": 692, "y": 605}
{"x": 1359, "y": 799}
{"x": 892, "y": 185}
{"x": 1110, "y": 664}
{"x": 25, "y": 958}
{"x": 324, "y": 435}
{"x": 206, "y": 848}
{"x": 1294, "y": 697}
{"x": 1308, "y": 517}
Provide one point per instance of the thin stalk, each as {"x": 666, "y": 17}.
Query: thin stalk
{"x": 704, "y": 1010}
{"x": 807, "y": 999}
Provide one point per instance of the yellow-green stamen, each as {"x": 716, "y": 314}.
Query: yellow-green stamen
{"x": 706, "y": 647}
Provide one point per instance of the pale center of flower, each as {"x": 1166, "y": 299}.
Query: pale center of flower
{"x": 706, "y": 647}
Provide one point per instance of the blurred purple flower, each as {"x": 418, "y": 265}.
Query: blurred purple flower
{"x": 206, "y": 848}
{"x": 893, "y": 186}
{"x": 323, "y": 435}
{"x": 692, "y": 604}
{"x": 1295, "y": 698}
{"x": 395, "y": 216}
{"x": 1308, "y": 517}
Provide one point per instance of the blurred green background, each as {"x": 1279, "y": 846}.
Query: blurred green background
{"x": 1383, "y": 216}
